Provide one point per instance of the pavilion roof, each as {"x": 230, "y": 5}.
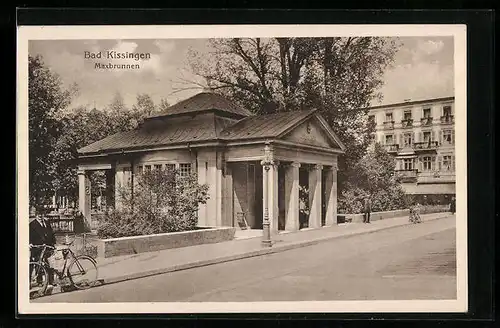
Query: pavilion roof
{"x": 205, "y": 101}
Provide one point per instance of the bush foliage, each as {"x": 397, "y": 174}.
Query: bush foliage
{"x": 161, "y": 201}
{"x": 374, "y": 178}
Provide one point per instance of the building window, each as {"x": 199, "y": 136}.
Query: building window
{"x": 447, "y": 163}
{"x": 448, "y": 137}
{"x": 389, "y": 139}
{"x": 139, "y": 169}
{"x": 169, "y": 167}
{"x": 408, "y": 164}
{"x": 147, "y": 168}
{"x": 371, "y": 119}
{"x": 407, "y": 115}
{"x": 407, "y": 139}
{"x": 185, "y": 169}
{"x": 427, "y": 112}
{"x": 157, "y": 167}
{"x": 427, "y": 163}
{"x": 447, "y": 111}
{"x": 388, "y": 117}
{"x": 427, "y": 136}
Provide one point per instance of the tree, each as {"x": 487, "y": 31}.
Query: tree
{"x": 79, "y": 127}
{"x": 143, "y": 108}
{"x": 120, "y": 116}
{"x": 163, "y": 105}
{"x": 337, "y": 76}
{"x": 376, "y": 179}
{"x": 46, "y": 99}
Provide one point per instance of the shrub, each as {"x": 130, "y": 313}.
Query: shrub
{"x": 161, "y": 201}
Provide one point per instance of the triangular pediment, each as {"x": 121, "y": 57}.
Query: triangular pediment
{"x": 312, "y": 132}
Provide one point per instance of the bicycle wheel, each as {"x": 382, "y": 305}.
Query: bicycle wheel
{"x": 39, "y": 279}
{"x": 82, "y": 272}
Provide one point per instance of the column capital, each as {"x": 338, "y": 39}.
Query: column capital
{"x": 318, "y": 167}
{"x": 81, "y": 172}
{"x": 333, "y": 167}
{"x": 295, "y": 164}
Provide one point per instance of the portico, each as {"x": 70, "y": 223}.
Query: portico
{"x": 224, "y": 145}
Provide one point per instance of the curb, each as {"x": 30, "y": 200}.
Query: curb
{"x": 261, "y": 252}
{"x": 265, "y": 251}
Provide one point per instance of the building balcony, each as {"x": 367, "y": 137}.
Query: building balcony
{"x": 389, "y": 125}
{"x": 447, "y": 119}
{"x": 408, "y": 123}
{"x": 425, "y": 146}
{"x": 391, "y": 148}
{"x": 407, "y": 175}
{"x": 433, "y": 177}
{"x": 425, "y": 121}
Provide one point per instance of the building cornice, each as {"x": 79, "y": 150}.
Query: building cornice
{"x": 410, "y": 103}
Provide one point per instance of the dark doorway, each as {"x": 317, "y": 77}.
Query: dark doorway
{"x": 323, "y": 198}
{"x": 281, "y": 198}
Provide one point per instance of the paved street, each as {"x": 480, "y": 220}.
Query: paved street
{"x": 408, "y": 262}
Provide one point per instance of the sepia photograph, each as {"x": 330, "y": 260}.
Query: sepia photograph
{"x": 191, "y": 169}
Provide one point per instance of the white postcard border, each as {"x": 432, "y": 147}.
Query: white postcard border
{"x": 26, "y": 33}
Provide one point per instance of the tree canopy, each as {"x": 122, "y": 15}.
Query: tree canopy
{"x": 46, "y": 99}
{"x": 82, "y": 126}
{"x": 339, "y": 76}
{"x": 376, "y": 179}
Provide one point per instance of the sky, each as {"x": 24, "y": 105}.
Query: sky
{"x": 422, "y": 68}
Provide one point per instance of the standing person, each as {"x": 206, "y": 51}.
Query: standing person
{"x": 367, "y": 209}
{"x": 41, "y": 233}
{"x": 453, "y": 205}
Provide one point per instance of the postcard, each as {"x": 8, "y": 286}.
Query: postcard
{"x": 241, "y": 169}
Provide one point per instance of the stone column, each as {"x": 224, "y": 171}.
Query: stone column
{"x": 272, "y": 195}
{"x": 315, "y": 196}
{"x": 119, "y": 184}
{"x": 110, "y": 188}
{"x": 84, "y": 195}
{"x": 202, "y": 179}
{"x": 331, "y": 195}
{"x": 292, "y": 197}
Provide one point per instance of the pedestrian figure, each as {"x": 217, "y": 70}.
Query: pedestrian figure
{"x": 367, "y": 210}
{"x": 41, "y": 233}
{"x": 452, "y": 205}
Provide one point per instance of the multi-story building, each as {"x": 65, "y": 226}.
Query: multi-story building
{"x": 421, "y": 136}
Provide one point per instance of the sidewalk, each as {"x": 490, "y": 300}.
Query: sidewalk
{"x": 122, "y": 268}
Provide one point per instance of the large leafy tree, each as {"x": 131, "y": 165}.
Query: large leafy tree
{"x": 46, "y": 99}
{"x": 82, "y": 126}
{"x": 375, "y": 179}
{"x": 79, "y": 127}
{"x": 337, "y": 76}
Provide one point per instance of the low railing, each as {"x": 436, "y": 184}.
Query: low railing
{"x": 408, "y": 174}
{"x": 447, "y": 119}
{"x": 408, "y": 123}
{"x": 426, "y": 121}
{"x": 63, "y": 223}
{"x": 426, "y": 145}
{"x": 389, "y": 125}
{"x": 391, "y": 148}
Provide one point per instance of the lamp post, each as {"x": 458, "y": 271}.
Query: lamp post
{"x": 266, "y": 229}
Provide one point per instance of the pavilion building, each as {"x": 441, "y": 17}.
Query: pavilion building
{"x": 224, "y": 144}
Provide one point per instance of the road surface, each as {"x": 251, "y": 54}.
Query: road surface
{"x": 409, "y": 262}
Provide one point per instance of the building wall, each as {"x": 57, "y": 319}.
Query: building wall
{"x": 434, "y": 165}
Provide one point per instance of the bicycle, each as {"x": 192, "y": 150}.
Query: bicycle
{"x": 414, "y": 216}
{"x": 83, "y": 266}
